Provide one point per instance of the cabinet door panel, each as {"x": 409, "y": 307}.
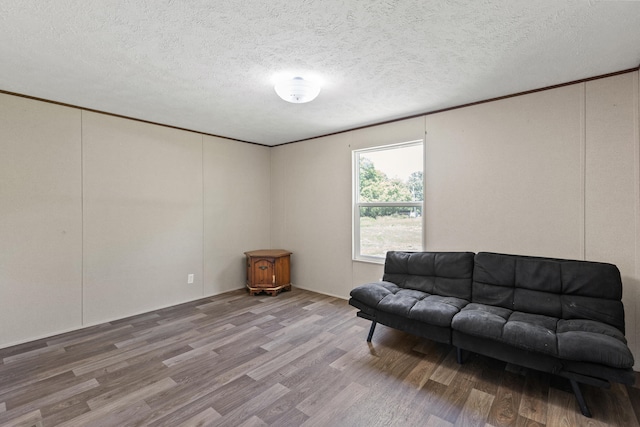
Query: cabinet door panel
{"x": 263, "y": 272}
{"x": 282, "y": 271}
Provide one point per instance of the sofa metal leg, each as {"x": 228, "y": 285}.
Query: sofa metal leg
{"x": 583, "y": 405}
{"x": 459, "y": 355}
{"x": 373, "y": 327}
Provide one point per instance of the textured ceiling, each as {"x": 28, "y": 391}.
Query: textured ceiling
{"x": 209, "y": 65}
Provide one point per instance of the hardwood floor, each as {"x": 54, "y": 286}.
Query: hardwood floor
{"x": 297, "y": 359}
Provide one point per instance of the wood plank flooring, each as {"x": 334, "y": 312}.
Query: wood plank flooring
{"x": 297, "y": 359}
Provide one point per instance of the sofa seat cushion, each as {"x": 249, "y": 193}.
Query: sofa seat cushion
{"x": 410, "y": 303}
{"x": 574, "y": 340}
{"x": 481, "y": 320}
{"x": 372, "y": 293}
{"x": 605, "y": 344}
{"x": 532, "y": 332}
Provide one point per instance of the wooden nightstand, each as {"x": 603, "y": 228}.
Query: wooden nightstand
{"x": 268, "y": 270}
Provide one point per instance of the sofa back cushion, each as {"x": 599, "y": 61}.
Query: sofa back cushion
{"x": 565, "y": 289}
{"x": 437, "y": 273}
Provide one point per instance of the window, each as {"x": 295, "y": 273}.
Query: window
{"x": 388, "y": 199}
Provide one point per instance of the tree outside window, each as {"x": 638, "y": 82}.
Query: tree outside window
{"x": 388, "y": 200}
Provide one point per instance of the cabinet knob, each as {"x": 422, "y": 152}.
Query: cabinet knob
{"x": 263, "y": 267}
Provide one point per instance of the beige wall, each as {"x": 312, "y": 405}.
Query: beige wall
{"x": 104, "y": 217}
{"x": 237, "y": 203}
{"x": 40, "y": 219}
{"x": 143, "y": 216}
{"x": 553, "y": 173}
{"x": 506, "y": 176}
{"x": 612, "y": 196}
{"x": 310, "y": 203}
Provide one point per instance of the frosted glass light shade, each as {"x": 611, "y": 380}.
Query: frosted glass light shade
{"x": 297, "y": 90}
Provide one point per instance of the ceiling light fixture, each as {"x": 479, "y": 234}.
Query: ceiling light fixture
{"x": 297, "y": 90}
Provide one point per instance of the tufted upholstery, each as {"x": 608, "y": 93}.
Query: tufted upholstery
{"x": 409, "y": 303}
{"x": 564, "y": 289}
{"x": 440, "y": 273}
{"x": 554, "y": 307}
{"x": 427, "y": 287}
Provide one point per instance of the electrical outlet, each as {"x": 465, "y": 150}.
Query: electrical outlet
{"x": 190, "y": 279}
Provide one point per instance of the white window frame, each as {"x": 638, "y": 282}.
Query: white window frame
{"x": 357, "y": 204}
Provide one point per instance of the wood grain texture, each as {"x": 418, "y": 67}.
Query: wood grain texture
{"x": 296, "y": 359}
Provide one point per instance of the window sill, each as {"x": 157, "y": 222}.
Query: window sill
{"x": 379, "y": 261}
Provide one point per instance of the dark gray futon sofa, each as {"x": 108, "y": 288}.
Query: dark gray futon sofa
{"x": 560, "y": 316}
